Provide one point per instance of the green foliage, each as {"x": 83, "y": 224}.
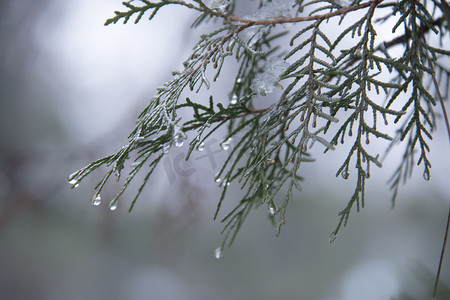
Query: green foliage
{"x": 348, "y": 89}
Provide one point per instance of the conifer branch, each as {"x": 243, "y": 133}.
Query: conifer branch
{"x": 331, "y": 96}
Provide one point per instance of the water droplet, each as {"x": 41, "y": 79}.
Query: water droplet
{"x": 234, "y": 99}
{"x": 72, "y": 176}
{"x": 74, "y": 183}
{"x": 113, "y": 205}
{"x": 178, "y": 137}
{"x": 426, "y": 175}
{"x": 166, "y": 148}
{"x": 226, "y": 144}
{"x": 218, "y": 252}
{"x": 272, "y": 210}
{"x": 239, "y": 80}
{"x": 344, "y": 174}
{"x": 217, "y": 179}
{"x": 97, "y": 200}
{"x": 201, "y": 146}
{"x": 332, "y": 237}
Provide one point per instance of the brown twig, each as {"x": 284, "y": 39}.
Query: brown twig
{"x": 292, "y": 19}
{"x": 447, "y": 124}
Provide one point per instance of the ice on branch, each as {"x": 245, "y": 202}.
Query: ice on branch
{"x": 273, "y": 10}
{"x": 220, "y": 5}
{"x": 267, "y": 80}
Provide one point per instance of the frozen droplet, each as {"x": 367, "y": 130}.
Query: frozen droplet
{"x": 178, "y": 136}
{"x": 234, "y": 99}
{"x": 272, "y": 210}
{"x": 201, "y": 146}
{"x": 226, "y": 144}
{"x": 97, "y": 200}
{"x": 166, "y": 148}
{"x": 113, "y": 205}
{"x": 332, "y": 237}
{"x": 218, "y": 252}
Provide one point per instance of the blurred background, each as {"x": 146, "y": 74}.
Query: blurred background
{"x": 70, "y": 91}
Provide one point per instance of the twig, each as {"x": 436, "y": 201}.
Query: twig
{"x": 294, "y": 19}
{"x": 447, "y": 123}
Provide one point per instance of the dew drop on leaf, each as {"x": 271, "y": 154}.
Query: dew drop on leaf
{"x": 272, "y": 210}
{"x": 218, "y": 252}
{"x": 166, "y": 148}
{"x": 113, "y": 206}
{"x": 234, "y": 99}
{"x": 178, "y": 137}
{"x": 97, "y": 200}
{"x": 225, "y": 145}
{"x": 426, "y": 175}
{"x": 74, "y": 183}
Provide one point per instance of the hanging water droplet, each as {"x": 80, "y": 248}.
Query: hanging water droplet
{"x": 426, "y": 175}
{"x": 97, "y": 200}
{"x": 272, "y": 210}
{"x": 225, "y": 145}
{"x": 178, "y": 136}
{"x": 218, "y": 179}
{"x": 344, "y": 174}
{"x": 201, "y": 146}
{"x": 234, "y": 99}
{"x": 332, "y": 237}
{"x": 218, "y": 252}
{"x": 113, "y": 205}
{"x": 166, "y": 148}
{"x": 239, "y": 80}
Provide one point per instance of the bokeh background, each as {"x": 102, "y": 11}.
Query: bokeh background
{"x": 70, "y": 90}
